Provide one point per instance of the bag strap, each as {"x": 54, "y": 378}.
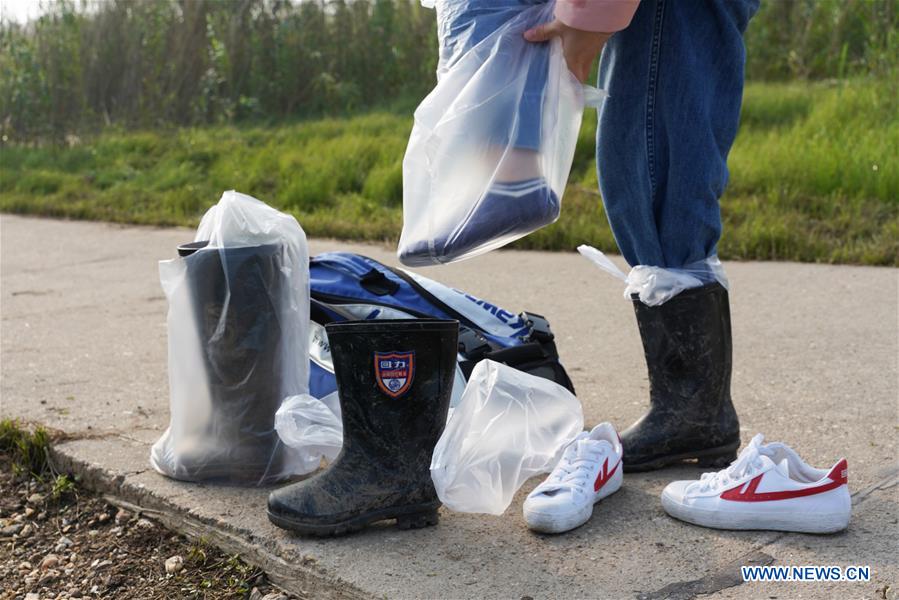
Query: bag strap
{"x": 446, "y": 308}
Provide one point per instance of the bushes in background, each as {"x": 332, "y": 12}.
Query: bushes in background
{"x": 146, "y": 63}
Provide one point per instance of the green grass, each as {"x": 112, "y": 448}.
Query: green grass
{"x": 28, "y": 449}
{"x": 814, "y": 176}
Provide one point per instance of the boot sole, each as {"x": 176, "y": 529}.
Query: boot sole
{"x": 407, "y": 517}
{"x": 719, "y": 457}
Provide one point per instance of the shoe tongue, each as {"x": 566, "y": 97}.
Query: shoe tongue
{"x": 578, "y": 439}
{"x": 588, "y": 447}
{"x": 783, "y": 468}
{"x": 571, "y": 449}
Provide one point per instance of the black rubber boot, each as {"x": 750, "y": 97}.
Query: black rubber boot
{"x": 394, "y": 379}
{"x": 687, "y": 343}
{"x": 235, "y": 294}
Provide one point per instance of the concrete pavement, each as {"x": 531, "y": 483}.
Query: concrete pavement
{"x": 815, "y": 354}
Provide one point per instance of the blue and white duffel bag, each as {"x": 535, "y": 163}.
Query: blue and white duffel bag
{"x": 346, "y": 286}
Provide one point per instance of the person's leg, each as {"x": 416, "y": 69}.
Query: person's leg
{"x": 675, "y": 84}
{"x": 675, "y": 80}
{"x": 624, "y": 157}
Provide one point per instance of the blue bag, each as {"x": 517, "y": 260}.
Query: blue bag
{"x": 346, "y": 286}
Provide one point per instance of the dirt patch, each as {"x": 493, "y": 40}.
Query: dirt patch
{"x": 59, "y": 541}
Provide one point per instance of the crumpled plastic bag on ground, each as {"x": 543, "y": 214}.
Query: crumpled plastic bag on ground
{"x": 656, "y": 285}
{"x": 509, "y": 427}
{"x": 312, "y": 427}
{"x": 238, "y": 324}
{"x": 492, "y": 145}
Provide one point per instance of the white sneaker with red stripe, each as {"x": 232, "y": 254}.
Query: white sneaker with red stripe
{"x": 589, "y": 470}
{"x": 767, "y": 487}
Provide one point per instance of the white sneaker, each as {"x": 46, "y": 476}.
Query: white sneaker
{"x": 589, "y": 470}
{"x": 767, "y": 487}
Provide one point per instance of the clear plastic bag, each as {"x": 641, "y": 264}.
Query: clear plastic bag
{"x": 492, "y": 144}
{"x": 509, "y": 427}
{"x": 656, "y": 285}
{"x": 312, "y": 427}
{"x": 237, "y": 336}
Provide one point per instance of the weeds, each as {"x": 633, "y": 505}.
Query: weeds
{"x": 228, "y": 572}
{"x": 63, "y": 487}
{"x": 28, "y": 453}
{"x": 29, "y": 450}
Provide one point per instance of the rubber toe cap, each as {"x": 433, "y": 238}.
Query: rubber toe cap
{"x": 288, "y": 501}
{"x": 675, "y": 492}
{"x": 549, "y": 504}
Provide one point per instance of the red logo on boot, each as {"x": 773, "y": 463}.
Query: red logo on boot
{"x": 394, "y": 372}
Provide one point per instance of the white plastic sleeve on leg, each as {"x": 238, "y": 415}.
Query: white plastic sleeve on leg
{"x": 657, "y": 285}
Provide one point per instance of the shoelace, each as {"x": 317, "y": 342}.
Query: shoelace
{"x": 747, "y": 462}
{"x": 574, "y": 468}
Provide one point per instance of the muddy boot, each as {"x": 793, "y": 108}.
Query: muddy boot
{"x": 687, "y": 344}
{"x": 394, "y": 378}
{"x": 234, "y": 294}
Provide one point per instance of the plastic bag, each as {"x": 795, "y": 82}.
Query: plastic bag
{"x": 312, "y": 427}
{"x": 237, "y": 332}
{"x": 657, "y": 285}
{"x": 492, "y": 144}
{"x": 509, "y": 427}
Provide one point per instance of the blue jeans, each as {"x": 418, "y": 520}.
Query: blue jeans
{"x": 675, "y": 84}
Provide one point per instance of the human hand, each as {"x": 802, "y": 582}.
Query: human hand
{"x": 580, "y": 47}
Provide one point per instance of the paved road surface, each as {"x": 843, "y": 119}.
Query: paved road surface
{"x": 815, "y": 354}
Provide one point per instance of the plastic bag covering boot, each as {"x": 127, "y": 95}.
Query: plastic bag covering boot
{"x": 394, "y": 380}
{"x": 687, "y": 344}
{"x": 657, "y": 285}
{"x": 237, "y": 311}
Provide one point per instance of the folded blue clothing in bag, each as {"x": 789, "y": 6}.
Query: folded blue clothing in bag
{"x": 463, "y": 24}
{"x": 492, "y": 145}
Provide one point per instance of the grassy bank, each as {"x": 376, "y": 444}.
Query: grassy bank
{"x": 813, "y": 176}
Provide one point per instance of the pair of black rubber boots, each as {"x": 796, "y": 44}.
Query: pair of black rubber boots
{"x": 394, "y": 380}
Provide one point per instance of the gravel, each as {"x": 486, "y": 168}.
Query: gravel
{"x": 78, "y": 546}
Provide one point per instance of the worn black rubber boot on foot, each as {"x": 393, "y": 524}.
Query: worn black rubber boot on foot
{"x": 687, "y": 344}
{"x": 394, "y": 379}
